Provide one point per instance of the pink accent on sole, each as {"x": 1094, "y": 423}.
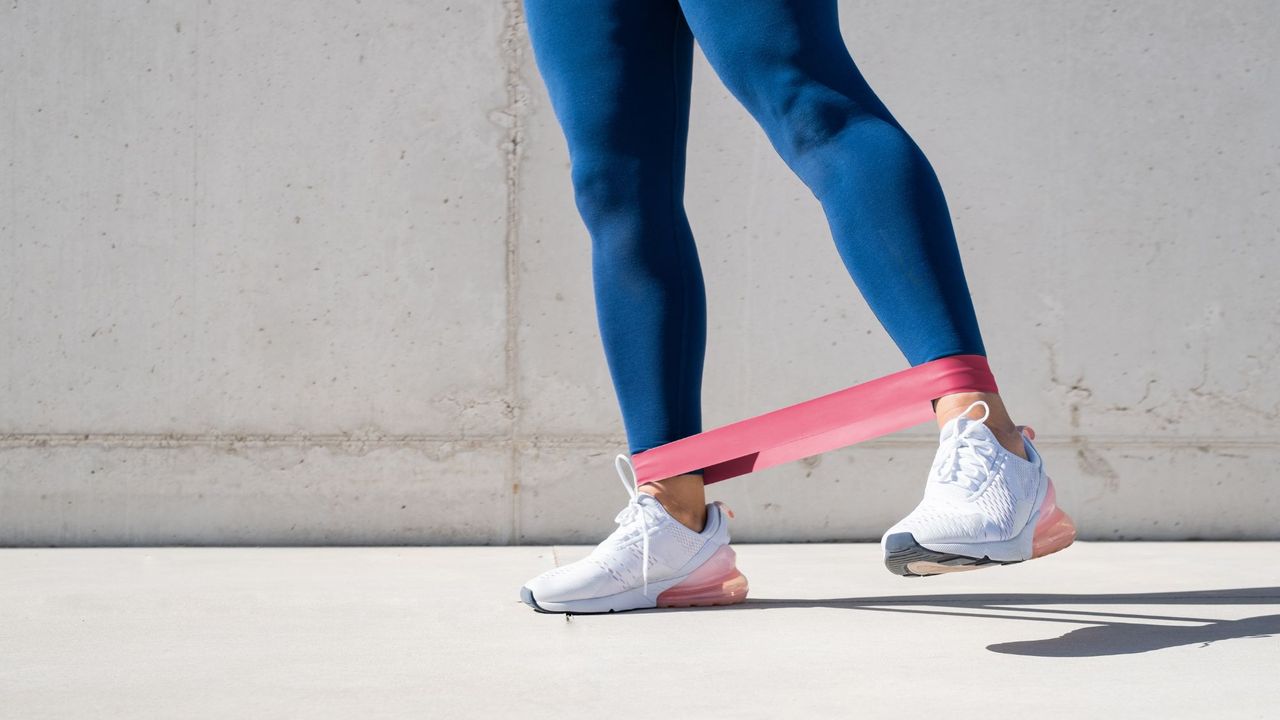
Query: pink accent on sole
{"x": 862, "y": 412}
{"x": 1054, "y": 530}
{"x": 716, "y": 582}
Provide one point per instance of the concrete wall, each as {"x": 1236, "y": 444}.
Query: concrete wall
{"x": 309, "y": 272}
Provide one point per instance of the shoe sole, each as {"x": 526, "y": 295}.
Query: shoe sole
{"x": 715, "y": 582}
{"x": 1051, "y": 529}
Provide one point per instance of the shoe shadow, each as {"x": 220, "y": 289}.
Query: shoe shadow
{"x": 1106, "y": 633}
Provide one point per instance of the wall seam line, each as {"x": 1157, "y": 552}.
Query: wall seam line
{"x": 163, "y": 440}
{"x": 516, "y": 98}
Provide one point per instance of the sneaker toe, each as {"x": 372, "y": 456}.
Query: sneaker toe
{"x": 575, "y": 581}
{"x": 950, "y": 527}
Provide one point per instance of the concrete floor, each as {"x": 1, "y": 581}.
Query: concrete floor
{"x": 1114, "y": 630}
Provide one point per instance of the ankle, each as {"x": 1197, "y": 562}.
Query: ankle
{"x": 1011, "y": 440}
{"x": 998, "y": 421}
{"x": 683, "y": 497}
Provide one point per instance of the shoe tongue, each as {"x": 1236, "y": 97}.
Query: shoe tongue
{"x": 951, "y": 429}
{"x": 957, "y": 425}
{"x": 648, "y": 501}
{"x": 948, "y": 436}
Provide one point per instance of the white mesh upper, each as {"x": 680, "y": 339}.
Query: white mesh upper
{"x": 614, "y": 565}
{"x": 977, "y": 491}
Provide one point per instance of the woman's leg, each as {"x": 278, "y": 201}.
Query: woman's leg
{"x": 618, "y": 74}
{"x": 987, "y": 491}
{"x": 786, "y": 61}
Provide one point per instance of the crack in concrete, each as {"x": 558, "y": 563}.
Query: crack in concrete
{"x": 1088, "y": 459}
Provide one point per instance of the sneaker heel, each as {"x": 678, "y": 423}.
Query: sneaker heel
{"x": 715, "y": 582}
{"x": 1054, "y": 531}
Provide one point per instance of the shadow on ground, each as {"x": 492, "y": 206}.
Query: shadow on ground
{"x": 1108, "y": 633}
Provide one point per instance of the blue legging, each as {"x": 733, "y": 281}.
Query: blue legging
{"x": 618, "y": 73}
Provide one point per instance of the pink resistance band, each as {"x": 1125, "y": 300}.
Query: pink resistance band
{"x": 870, "y": 410}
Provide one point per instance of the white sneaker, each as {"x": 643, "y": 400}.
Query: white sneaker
{"x": 982, "y": 506}
{"x": 651, "y": 560}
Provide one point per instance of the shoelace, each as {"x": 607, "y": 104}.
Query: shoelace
{"x": 964, "y": 453}
{"x": 634, "y": 510}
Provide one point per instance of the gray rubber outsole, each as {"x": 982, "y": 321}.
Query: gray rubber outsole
{"x": 902, "y": 550}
